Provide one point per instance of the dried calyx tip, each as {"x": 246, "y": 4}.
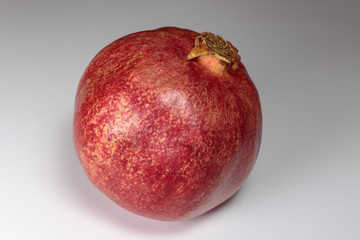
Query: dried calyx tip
{"x": 208, "y": 43}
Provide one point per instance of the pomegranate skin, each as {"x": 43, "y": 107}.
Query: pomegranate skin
{"x": 164, "y": 137}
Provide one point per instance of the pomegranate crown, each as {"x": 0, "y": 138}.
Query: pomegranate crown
{"x": 209, "y": 43}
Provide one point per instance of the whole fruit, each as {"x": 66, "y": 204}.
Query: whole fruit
{"x": 167, "y": 122}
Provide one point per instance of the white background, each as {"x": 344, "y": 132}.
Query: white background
{"x": 303, "y": 56}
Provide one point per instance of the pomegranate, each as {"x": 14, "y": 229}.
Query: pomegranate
{"x": 167, "y": 122}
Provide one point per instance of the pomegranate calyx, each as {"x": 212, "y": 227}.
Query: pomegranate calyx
{"x": 209, "y": 43}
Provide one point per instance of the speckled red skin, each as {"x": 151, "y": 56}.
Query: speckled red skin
{"x": 161, "y": 136}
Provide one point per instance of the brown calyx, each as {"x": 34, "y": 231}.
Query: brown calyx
{"x": 215, "y": 53}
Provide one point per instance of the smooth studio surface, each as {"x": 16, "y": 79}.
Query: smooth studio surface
{"x": 304, "y": 58}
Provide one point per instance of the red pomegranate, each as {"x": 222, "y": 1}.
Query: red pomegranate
{"x": 167, "y": 122}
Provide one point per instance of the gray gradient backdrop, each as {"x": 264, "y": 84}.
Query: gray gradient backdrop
{"x": 304, "y": 57}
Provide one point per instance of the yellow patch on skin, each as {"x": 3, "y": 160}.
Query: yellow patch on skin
{"x": 184, "y": 168}
{"x": 128, "y": 166}
{"x": 96, "y": 154}
{"x": 180, "y": 188}
{"x": 135, "y": 57}
{"x": 92, "y": 171}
